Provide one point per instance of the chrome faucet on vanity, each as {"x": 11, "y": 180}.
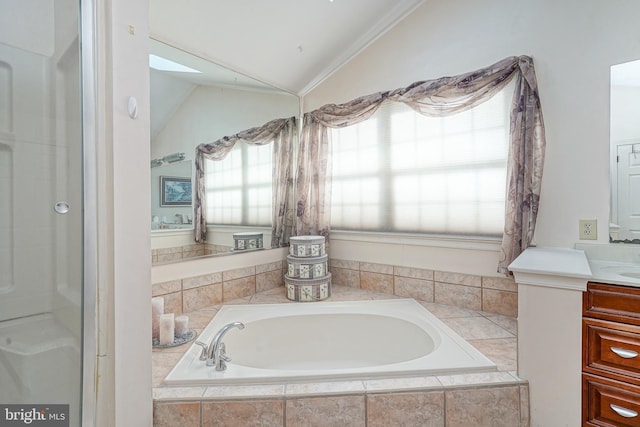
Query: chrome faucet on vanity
{"x": 215, "y": 353}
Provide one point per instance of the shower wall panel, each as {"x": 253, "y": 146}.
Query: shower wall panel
{"x": 28, "y": 155}
{"x": 6, "y": 214}
{"x": 68, "y": 185}
{"x": 41, "y": 245}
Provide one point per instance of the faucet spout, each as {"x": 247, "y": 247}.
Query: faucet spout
{"x": 216, "y": 355}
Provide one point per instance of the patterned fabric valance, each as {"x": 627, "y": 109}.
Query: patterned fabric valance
{"x": 283, "y": 134}
{"x": 439, "y": 97}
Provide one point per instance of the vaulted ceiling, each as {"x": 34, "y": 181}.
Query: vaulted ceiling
{"x": 290, "y": 44}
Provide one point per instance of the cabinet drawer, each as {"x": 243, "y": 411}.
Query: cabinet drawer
{"x": 611, "y": 349}
{"x": 612, "y": 302}
{"x": 608, "y": 403}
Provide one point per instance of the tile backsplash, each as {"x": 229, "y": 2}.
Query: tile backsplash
{"x": 192, "y": 293}
{"x": 490, "y": 294}
{"x": 178, "y": 253}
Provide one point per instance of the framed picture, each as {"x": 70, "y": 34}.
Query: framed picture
{"x": 175, "y": 191}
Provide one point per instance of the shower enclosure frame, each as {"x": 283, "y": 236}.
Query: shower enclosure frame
{"x": 88, "y": 27}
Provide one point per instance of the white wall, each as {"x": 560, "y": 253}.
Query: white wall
{"x": 573, "y": 44}
{"x": 210, "y": 113}
{"x": 37, "y": 37}
{"x": 167, "y": 94}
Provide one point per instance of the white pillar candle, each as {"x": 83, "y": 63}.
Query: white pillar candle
{"x": 182, "y": 326}
{"x": 157, "y": 309}
{"x": 167, "y": 327}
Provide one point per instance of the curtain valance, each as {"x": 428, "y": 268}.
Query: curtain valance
{"x": 439, "y": 97}
{"x": 283, "y": 134}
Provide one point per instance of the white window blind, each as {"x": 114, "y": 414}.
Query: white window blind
{"x": 400, "y": 171}
{"x": 238, "y": 188}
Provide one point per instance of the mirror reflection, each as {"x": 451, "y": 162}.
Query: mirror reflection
{"x": 625, "y": 153}
{"x": 195, "y": 101}
{"x": 171, "y": 193}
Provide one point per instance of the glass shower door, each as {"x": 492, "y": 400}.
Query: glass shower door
{"x": 41, "y": 197}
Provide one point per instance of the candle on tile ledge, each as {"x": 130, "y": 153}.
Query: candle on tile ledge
{"x": 167, "y": 328}
{"x": 182, "y": 326}
{"x": 157, "y": 309}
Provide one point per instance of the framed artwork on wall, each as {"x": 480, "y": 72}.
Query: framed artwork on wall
{"x": 175, "y": 191}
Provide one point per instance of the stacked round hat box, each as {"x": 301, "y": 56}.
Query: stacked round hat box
{"x": 308, "y": 277}
{"x": 247, "y": 241}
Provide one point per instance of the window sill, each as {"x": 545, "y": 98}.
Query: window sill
{"x": 491, "y": 244}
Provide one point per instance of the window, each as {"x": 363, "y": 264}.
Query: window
{"x": 400, "y": 171}
{"x": 238, "y": 188}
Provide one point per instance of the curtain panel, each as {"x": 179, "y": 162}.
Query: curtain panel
{"x": 283, "y": 134}
{"x": 436, "y": 98}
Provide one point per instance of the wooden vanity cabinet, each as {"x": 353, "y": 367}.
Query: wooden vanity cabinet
{"x": 611, "y": 355}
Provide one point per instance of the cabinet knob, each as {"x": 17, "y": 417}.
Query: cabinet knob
{"x": 626, "y": 354}
{"x": 623, "y": 412}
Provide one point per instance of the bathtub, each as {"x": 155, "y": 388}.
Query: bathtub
{"x": 319, "y": 341}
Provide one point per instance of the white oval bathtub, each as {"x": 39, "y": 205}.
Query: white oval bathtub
{"x": 330, "y": 340}
{"x": 327, "y": 341}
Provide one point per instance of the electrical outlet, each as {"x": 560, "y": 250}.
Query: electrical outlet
{"x": 588, "y": 229}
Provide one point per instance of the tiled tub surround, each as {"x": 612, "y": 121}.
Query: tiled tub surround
{"x": 179, "y": 253}
{"x": 480, "y": 293}
{"x": 488, "y": 399}
{"x": 193, "y": 293}
{"x": 490, "y": 294}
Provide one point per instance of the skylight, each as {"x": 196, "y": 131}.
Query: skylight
{"x": 163, "y": 64}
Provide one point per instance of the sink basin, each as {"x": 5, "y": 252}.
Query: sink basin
{"x": 621, "y": 267}
{"x": 617, "y": 271}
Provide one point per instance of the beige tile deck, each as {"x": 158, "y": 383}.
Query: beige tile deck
{"x": 433, "y": 400}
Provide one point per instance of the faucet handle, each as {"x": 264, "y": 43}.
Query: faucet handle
{"x": 221, "y": 361}
{"x": 205, "y": 349}
{"x": 223, "y": 353}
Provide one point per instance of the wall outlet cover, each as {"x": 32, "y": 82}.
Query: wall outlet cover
{"x": 588, "y": 229}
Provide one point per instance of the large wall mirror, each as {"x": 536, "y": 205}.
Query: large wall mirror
{"x": 195, "y": 101}
{"x": 625, "y": 152}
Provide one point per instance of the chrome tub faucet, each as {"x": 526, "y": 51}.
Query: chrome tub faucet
{"x": 215, "y": 353}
